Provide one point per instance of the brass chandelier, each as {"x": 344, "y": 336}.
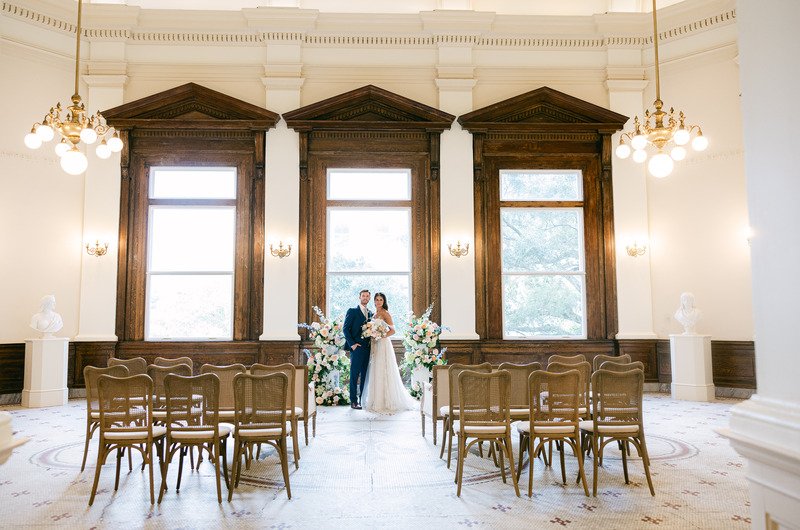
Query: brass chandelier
{"x": 75, "y": 127}
{"x": 660, "y": 135}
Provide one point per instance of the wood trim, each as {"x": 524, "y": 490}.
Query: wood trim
{"x": 733, "y": 363}
{"x": 12, "y": 368}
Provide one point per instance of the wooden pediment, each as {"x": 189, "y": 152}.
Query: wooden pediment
{"x": 190, "y": 106}
{"x": 368, "y": 108}
{"x": 543, "y": 110}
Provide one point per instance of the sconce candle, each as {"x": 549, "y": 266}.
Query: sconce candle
{"x": 97, "y": 250}
{"x": 281, "y": 251}
{"x": 459, "y": 250}
{"x": 636, "y": 250}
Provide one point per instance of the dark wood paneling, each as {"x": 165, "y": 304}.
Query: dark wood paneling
{"x": 644, "y": 351}
{"x": 664, "y": 362}
{"x": 88, "y": 354}
{"x": 498, "y": 351}
{"x": 12, "y": 368}
{"x": 733, "y": 363}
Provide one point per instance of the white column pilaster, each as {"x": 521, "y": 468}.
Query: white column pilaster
{"x": 457, "y": 211}
{"x": 634, "y": 288}
{"x": 282, "y": 202}
{"x": 98, "y": 288}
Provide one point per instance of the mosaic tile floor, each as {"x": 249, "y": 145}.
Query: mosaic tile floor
{"x": 369, "y": 471}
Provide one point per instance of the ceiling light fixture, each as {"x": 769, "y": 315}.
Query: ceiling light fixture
{"x": 75, "y": 127}
{"x": 659, "y": 136}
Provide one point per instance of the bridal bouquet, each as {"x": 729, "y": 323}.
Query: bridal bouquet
{"x": 328, "y": 331}
{"x": 421, "y": 340}
{"x": 375, "y": 329}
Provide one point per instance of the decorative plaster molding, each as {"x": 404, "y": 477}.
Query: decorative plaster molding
{"x": 33, "y": 157}
{"x": 38, "y": 18}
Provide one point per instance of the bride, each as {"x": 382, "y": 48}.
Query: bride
{"x": 384, "y": 391}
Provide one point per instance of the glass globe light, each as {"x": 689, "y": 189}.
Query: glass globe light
{"x": 639, "y": 142}
{"x": 62, "y": 147}
{"x": 681, "y": 137}
{"x": 88, "y": 135}
{"x": 103, "y": 151}
{"x": 699, "y": 143}
{"x": 32, "y": 140}
{"x": 623, "y": 151}
{"x": 639, "y": 156}
{"x": 45, "y": 132}
{"x": 660, "y": 165}
{"x": 74, "y": 162}
{"x": 115, "y": 144}
{"x": 678, "y": 153}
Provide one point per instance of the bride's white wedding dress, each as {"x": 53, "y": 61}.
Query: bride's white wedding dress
{"x": 383, "y": 389}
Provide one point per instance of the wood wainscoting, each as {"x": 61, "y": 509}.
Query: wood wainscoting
{"x": 733, "y": 361}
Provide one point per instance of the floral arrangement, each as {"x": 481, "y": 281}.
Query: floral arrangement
{"x": 328, "y": 331}
{"x": 421, "y": 341}
{"x": 415, "y": 390}
{"x": 375, "y": 329}
{"x": 329, "y": 367}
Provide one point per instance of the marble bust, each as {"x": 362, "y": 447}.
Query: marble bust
{"x": 47, "y": 320}
{"x": 688, "y": 315}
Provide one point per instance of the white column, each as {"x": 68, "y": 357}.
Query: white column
{"x": 282, "y": 203}
{"x": 457, "y": 212}
{"x": 98, "y": 300}
{"x": 766, "y": 428}
{"x": 634, "y": 298}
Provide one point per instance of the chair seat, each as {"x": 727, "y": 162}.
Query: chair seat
{"x": 261, "y": 433}
{"x": 499, "y": 429}
{"x": 519, "y": 413}
{"x": 126, "y": 436}
{"x": 445, "y": 411}
{"x": 179, "y": 435}
{"x": 588, "y": 426}
{"x": 525, "y": 428}
{"x": 227, "y": 414}
{"x": 298, "y": 411}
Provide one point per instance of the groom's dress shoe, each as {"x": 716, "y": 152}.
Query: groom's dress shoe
{"x": 355, "y": 406}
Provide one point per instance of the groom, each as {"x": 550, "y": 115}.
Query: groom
{"x": 359, "y": 347}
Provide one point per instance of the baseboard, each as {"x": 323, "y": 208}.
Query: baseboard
{"x": 719, "y": 391}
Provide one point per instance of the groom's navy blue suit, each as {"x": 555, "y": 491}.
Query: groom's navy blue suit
{"x": 359, "y": 358}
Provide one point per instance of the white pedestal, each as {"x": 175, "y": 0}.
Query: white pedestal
{"x": 45, "y": 373}
{"x": 692, "y": 378}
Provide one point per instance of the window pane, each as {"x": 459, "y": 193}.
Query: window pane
{"x": 369, "y": 240}
{"x": 541, "y": 186}
{"x": 541, "y": 239}
{"x": 343, "y": 292}
{"x": 543, "y": 306}
{"x": 193, "y": 183}
{"x": 189, "y": 306}
{"x": 191, "y": 239}
{"x": 372, "y": 184}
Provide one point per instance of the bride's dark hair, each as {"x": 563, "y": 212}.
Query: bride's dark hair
{"x": 385, "y": 305}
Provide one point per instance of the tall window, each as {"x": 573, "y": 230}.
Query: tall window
{"x": 542, "y": 255}
{"x": 190, "y": 253}
{"x": 369, "y": 237}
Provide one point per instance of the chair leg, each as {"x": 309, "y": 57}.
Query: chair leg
{"x": 149, "y": 458}
{"x": 422, "y": 416}
{"x": 523, "y": 440}
{"x": 450, "y": 445}
{"x": 224, "y": 451}
{"x": 235, "y": 463}
{"x": 434, "y": 422}
{"x": 305, "y": 428}
{"x": 445, "y": 430}
{"x": 314, "y": 425}
{"x": 101, "y": 452}
{"x": 646, "y": 463}
{"x": 508, "y": 450}
{"x": 182, "y": 451}
{"x": 581, "y": 470}
{"x": 462, "y": 450}
{"x": 285, "y": 465}
{"x": 499, "y": 453}
{"x": 595, "y": 462}
{"x": 531, "y": 445}
{"x": 295, "y": 444}
{"x": 625, "y": 464}
{"x": 86, "y": 447}
{"x": 563, "y": 469}
{"x": 216, "y": 453}
{"x": 119, "y": 456}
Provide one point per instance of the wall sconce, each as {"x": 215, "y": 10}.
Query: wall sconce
{"x": 97, "y": 250}
{"x": 636, "y": 250}
{"x": 281, "y": 251}
{"x": 459, "y": 250}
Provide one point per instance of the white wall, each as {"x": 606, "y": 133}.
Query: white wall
{"x": 696, "y": 217}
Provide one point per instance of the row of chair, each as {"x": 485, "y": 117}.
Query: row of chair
{"x": 180, "y": 410}
{"x": 555, "y": 403}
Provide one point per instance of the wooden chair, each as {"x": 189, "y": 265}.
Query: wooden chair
{"x": 193, "y": 421}
{"x": 90, "y": 375}
{"x": 435, "y": 395}
{"x": 566, "y": 359}
{"x": 554, "y": 416}
{"x": 304, "y": 399}
{"x": 622, "y": 367}
{"x": 261, "y": 404}
{"x": 158, "y": 374}
{"x": 600, "y": 358}
{"x": 126, "y": 421}
{"x": 135, "y": 366}
{"x": 520, "y": 404}
{"x": 483, "y": 415}
{"x": 165, "y": 361}
{"x": 450, "y": 411}
{"x": 585, "y": 370}
{"x": 293, "y": 412}
{"x": 225, "y": 375}
{"x": 617, "y": 416}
